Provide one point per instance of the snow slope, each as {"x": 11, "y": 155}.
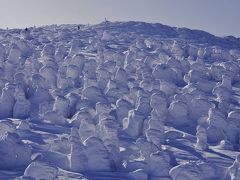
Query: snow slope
{"x": 119, "y": 100}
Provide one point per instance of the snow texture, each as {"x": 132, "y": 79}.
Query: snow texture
{"x": 119, "y": 100}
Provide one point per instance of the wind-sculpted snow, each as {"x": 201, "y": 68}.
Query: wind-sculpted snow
{"x": 119, "y": 100}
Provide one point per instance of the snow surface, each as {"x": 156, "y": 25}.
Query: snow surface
{"x": 122, "y": 100}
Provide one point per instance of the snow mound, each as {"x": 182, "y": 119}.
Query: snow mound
{"x": 119, "y": 100}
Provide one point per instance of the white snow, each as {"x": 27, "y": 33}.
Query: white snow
{"x": 119, "y": 100}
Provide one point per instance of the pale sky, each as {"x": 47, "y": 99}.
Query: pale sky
{"x": 219, "y": 17}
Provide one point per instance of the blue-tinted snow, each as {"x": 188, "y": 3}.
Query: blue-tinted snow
{"x": 119, "y": 100}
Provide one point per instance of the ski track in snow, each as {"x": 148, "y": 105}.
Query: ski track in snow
{"x": 119, "y": 100}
